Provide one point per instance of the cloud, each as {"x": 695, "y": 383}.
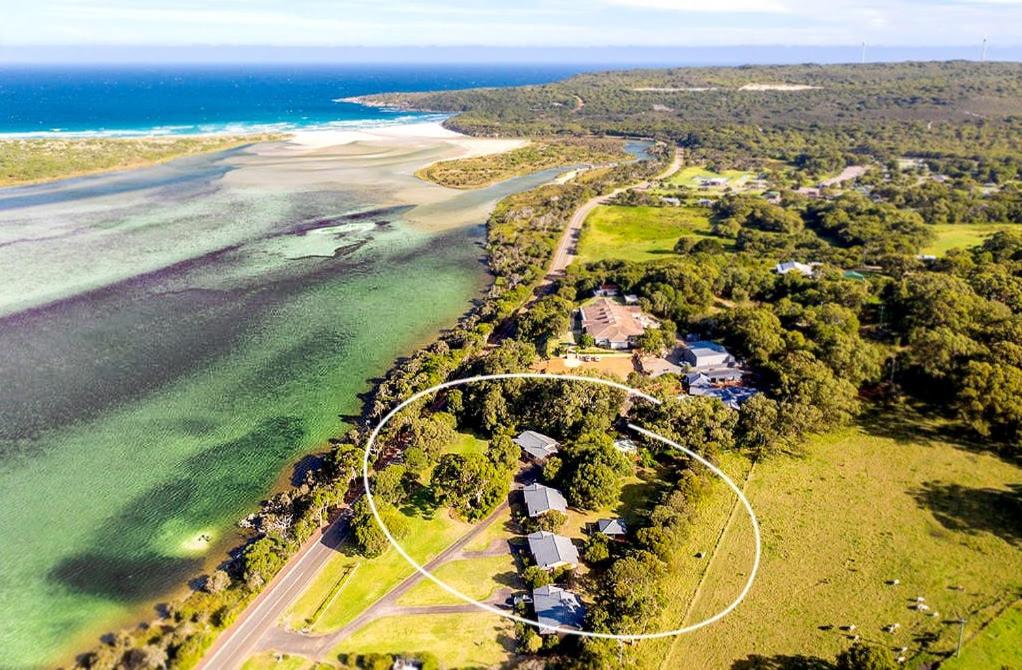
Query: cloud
{"x": 708, "y": 6}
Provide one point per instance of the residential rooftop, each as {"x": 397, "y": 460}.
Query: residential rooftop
{"x": 551, "y": 550}
{"x": 557, "y": 607}
{"x": 537, "y": 445}
{"x": 540, "y": 499}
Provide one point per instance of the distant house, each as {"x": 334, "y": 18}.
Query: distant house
{"x": 607, "y": 290}
{"x": 674, "y": 202}
{"x": 406, "y": 664}
{"x": 732, "y": 396}
{"x": 537, "y": 446}
{"x": 772, "y": 197}
{"x": 704, "y": 202}
{"x": 612, "y": 325}
{"x": 810, "y": 192}
{"x": 541, "y": 499}
{"x": 611, "y": 527}
{"x": 631, "y": 299}
{"x": 552, "y": 551}
{"x": 655, "y": 366}
{"x": 794, "y": 266}
{"x": 713, "y": 375}
{"x": 557, "y": 608}
{"x": 713, "y": 181}
{"x": 706, "y": 354}
{"x": 626, "y": 446}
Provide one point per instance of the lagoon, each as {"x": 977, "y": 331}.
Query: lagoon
{"x": 174, "y": 337}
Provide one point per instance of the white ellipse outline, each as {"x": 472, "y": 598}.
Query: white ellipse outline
{"x": 532, "y": 622}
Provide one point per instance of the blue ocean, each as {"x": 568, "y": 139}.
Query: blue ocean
{"x": 119, "y": 101}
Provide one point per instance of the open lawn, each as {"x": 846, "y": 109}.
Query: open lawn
{"x": 467, "y": 444}
{"x": 473, "y": 639}
{"x": 692, "y": 175}
{"x": 963, "y": 235}
{"x": 373, "y": 577}
{"x": 687, "y": 567}
{"x": 890, "y": 499}
{"x": 999, "y": 645}
{"x": 638, "y": 233}
{"x": 477, "y": 578}
{"x": 273, "y": 661}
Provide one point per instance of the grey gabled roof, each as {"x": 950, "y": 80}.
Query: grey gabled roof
{"x": 557, "y": 607}
{"x": 537, "y": 445}
{"x": 540, "y": 499}
{"x": 551, "y": 550}
{"x": 611, "y": 526}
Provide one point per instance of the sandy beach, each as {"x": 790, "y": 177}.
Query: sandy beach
{"x": 382, "y": 161}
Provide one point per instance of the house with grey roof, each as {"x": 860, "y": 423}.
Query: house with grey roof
{"x": 732, "y": 396}
{"x": 611, "y": 527}
{"x": 541, "y": 499}
{"x": 557, "y": 608}
{"x": 537, "y": 446}
{"x": 552, "y": 551}
{"x": 706, "y": 354}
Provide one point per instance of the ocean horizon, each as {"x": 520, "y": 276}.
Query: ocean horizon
{"x": 48, "y": 101}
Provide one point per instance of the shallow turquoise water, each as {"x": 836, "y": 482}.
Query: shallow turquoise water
{"x": 168, "y": 344}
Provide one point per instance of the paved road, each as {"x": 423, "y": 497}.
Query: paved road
{"x": 567, "y": 248}
{"x": 236, "y": 644}
{"x": 319, "y": 646}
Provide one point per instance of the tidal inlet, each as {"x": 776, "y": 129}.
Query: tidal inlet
{"x": 173, "y": 338}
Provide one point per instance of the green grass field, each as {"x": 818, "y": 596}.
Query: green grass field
{"x": 477, "y": 578}
{"x": 374, "y": 577}
{"x": 690, "y": 177}
{"x": 964, "y": 235}
{"x": 638, "y": 233}
{"x": 268, "y": 661}
{"x": 999, "y": 645}
{"x": 891, "y": 499}
{"x": 469, "y": 640}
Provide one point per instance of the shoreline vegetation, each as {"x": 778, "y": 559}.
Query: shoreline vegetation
{"x": 864, "y": 325}
{"x": 26, "y": 161}
{"x": 539, "y": 154}
{"x": 518, "y": 255}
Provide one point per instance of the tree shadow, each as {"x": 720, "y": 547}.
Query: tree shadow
{"x": 919, "y": 424}
{"x": 974, "y": 510}
{"x": 781, "y": 662}
{"x": 509, "y": 578}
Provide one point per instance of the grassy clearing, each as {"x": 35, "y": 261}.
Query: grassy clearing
{"x": 375, "y": 577}
{"x": 692, "y": 175}
{"x": 889, "y": 500}
{"x": 480, "y": 171}
{"x": 478, "y": 578}
{"x": 35, "y": 160}
{"x": 686, "y": 568}
{"x": 468, "y": 444}
{"x": 474, "y": 639}
{"x": 962, "y": 236}
{"x": 638, "y": 233}
{"x": 999, "y": 645}
{"x": 273, "y": 661}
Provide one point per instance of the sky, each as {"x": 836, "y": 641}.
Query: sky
{"x": 506, "y": 23}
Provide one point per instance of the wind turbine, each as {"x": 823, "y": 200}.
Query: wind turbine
{"x": 983, "y": 54}
{"x": 862, "y": 54}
